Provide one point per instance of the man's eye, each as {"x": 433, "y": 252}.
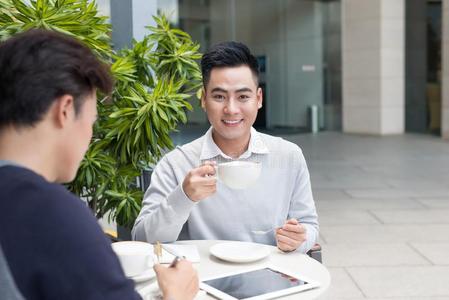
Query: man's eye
{"x": 218, "y": 97}
{"x": 244, "y": 97}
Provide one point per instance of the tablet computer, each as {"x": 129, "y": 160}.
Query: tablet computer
{"x": 261, "y": 283}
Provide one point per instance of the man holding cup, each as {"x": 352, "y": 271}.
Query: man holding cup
{"x": 186, "y": 201}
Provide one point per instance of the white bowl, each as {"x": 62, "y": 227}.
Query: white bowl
{"x": 135, "y": 257}
{"x": 239, "y": 174}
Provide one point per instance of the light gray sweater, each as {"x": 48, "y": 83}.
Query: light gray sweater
{"x": 283, "y": 191}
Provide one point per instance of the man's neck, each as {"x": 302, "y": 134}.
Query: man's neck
{"x": 27, "y": 150}
{"x": 232, "y": 148}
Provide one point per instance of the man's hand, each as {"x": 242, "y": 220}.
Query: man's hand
{"x": 177, "y": 283}
{"x": 200, "y": 183}
{"x": 290, "y": 236}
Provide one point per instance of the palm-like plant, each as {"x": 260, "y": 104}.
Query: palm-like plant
{"x": 154, "y": 80}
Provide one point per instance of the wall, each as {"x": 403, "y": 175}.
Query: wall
{"x": 289, "y": 34}
{"x": 373, "y": 66}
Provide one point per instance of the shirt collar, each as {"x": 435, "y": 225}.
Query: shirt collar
{"x": 210, "y": 149}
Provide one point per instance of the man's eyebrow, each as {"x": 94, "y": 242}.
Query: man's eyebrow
{"x": 245, "y": 89}
{"x": 219, "y": 89}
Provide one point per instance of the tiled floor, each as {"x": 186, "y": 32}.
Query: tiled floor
{"x": 383, "y": 204}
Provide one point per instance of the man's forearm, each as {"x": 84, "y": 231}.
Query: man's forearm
{"x": 163, "y": 220}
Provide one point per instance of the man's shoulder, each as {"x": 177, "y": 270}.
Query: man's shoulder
{"x": 279, "y": 145}
{"x": 68, "y": 246}
{"x": 190, "y": 150}
{"x": 31, "y": 196}
{"x": 20, "y": 181}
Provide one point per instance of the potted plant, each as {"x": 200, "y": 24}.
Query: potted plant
{"x": 155, "y": 79}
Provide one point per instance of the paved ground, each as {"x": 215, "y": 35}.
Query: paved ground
{"x": 383, "y": 205}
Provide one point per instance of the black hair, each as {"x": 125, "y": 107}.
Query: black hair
{"x": 228, "y": 54}
{"x": 37, "y": 67}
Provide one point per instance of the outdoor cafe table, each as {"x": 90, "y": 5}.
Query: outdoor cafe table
{"x": 293, "y": 261}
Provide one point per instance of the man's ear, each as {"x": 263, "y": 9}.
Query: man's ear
{"x": 64, "y": 110}
{"x": 203, "y": 99}
{"x": 259, "y": 96}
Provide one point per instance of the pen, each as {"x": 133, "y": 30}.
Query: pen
{"x": 172, "y": 251}
{"x": 174, "y": 262}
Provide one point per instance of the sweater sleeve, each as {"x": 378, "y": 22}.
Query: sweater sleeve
{"x": 165, "y": 207}
{"x": 302, "y": 205}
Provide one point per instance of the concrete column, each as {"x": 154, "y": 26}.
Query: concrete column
{"x": 445, "y": 93}
{"x": 373, "y": 33}
{"x": 129, "y": 18}
{"x": 104, "y": 7}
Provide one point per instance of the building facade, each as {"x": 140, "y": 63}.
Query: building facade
{"x": 375, "y": 67}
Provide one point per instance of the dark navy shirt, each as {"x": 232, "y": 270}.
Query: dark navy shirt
{"x": 52, "y": 243}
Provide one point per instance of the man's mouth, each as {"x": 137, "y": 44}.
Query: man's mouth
{"x": 232, "y": 122}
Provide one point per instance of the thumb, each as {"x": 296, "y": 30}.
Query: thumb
{"x": 158, "y": 268}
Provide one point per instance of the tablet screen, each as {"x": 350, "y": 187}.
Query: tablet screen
{"x": 254, "y": 283}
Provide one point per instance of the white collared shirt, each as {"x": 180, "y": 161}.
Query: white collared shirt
{"x": 283, "y": 191}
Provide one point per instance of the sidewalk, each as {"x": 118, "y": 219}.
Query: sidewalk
{"x": 383, "y": 205}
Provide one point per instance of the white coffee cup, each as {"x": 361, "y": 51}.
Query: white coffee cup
{"x": 239, "y": 174}
{"x": 135, "y": 257}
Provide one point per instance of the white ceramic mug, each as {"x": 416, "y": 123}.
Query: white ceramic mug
{"x": 135, "y": 257}
{"x": 239, "y": 174}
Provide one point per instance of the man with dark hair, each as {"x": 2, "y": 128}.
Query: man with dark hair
{"x": 52, "y": 243}
{"x": 185, "y": 201}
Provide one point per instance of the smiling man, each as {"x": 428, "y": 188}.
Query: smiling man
{"x": 185, "y": 200}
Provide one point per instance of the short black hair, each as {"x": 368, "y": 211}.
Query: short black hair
{"x": 37, "y": 67}
{"x": 228, "y": 54}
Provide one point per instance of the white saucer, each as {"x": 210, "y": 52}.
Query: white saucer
{"x": 240, "y": 252}
{"x": 148, "y": 274}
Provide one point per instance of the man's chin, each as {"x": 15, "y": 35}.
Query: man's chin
{"x": 233, "y": 136}
{"x": 66, "y": 177}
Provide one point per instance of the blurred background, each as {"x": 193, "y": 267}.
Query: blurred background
{"x": 368, "y": 66}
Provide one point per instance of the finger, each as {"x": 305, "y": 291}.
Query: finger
{"x": 205, "y": 181}
{"x": 210, "y": 163}
{"x": 206, "y": 169}
{"x": 201, "y": 171}
{"x": 294, "y": 228}
{"x": 211, "y": 190}
{"x": 287, "y": 240}
{"x": 158, "y": 268}
{"x": 285, "y": 247}
{"x": 299, "y": 237}
{"x": 184, "y": 264}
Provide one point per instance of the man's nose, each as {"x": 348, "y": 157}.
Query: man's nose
{"x": 232, "y": 106}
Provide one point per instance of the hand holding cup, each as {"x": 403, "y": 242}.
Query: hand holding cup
{"x": 200, "y": 182}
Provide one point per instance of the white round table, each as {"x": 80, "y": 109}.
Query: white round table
{"x": 293, "y": 261}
